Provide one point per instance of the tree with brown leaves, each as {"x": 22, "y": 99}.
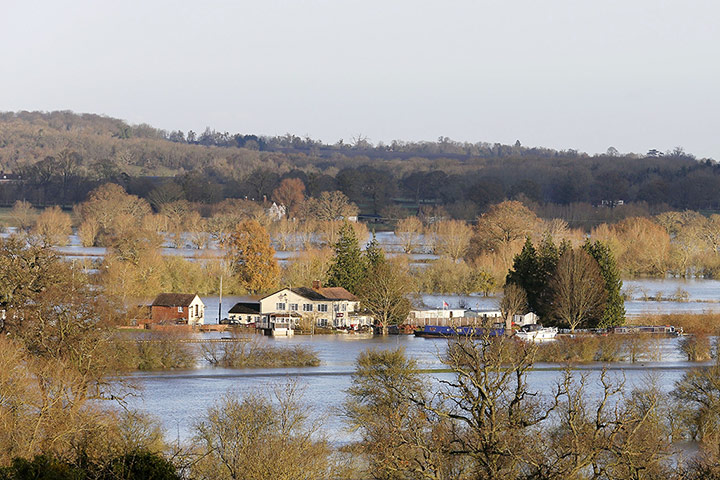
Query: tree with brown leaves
{"x": 290, "y": 193}
{"x": 252, "y": 257}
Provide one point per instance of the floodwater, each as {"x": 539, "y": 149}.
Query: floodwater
{"x": 179, "y": 398}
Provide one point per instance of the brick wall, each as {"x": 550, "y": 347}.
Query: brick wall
{"x": 168, "y": 314}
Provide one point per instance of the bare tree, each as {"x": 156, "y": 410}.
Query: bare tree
{"x": 23, "y": 215}
{"x": 453, "y": 238}
{"x": 386, "y": 405}
{"x": 258, "y": 438}
{"x": 513, "y": 302}
{"x": 384, "y": 294}
{"x": 578, "y": 289}
{"x": 408, "y": 230}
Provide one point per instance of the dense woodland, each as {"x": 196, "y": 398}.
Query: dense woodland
{"x": 61, "y": 156}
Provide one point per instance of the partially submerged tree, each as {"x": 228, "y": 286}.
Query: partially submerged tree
{"x": 23, "y": 215}
{"x": 53, "y": 226}
{"x": 384, "y": 294}
{"x": 453, "y": 238}
{"x": 409, "y": 231}
{"x": 385, "y": 404}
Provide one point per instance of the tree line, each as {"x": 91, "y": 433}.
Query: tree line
{"x": 61, "y": 156}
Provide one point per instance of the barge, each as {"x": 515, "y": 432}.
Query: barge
{"x": 440, "y": 331}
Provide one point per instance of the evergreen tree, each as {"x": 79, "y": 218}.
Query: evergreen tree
{"x": 348, "y": 265}
{"x": 374, "y": 255}
{"x": 614, "y": 313}
{"x": 526, "y": 274}
{"x": 548, "y": 256}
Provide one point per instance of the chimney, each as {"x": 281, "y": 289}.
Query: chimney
{"x": 316, "y": 285}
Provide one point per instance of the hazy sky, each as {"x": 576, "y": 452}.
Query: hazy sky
{"x": 633, "y": 74}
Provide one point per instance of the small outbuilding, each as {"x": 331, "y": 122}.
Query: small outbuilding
{"x": 245, "y": 313}
{"x": 182, "y": 308}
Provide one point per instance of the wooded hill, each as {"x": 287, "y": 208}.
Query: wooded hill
{"x": 60, "y": 156}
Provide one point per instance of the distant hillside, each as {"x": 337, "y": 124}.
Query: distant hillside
{"x": 60, "y": 156}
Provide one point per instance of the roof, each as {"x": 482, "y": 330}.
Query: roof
{"x": 326, "y": 293}
{"x": 173, "y": 300}
{"x": 251, "y": 308}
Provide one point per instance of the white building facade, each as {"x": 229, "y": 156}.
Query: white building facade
{"x": 326, "y": 307}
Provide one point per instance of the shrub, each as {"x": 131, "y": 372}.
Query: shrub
{"x": 254, "y": 354}
{"x": 696, "y": 347}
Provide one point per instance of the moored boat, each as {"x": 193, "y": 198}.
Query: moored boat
{"x": 536, "y": 332}
{"x": 440, "y": 331}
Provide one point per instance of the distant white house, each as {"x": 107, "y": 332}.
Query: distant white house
{"x": 527, "y": 319}
{"x": 325, "y": 306}
{"x": 276, "y": 212}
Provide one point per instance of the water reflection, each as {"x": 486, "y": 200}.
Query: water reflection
{"x": 180, "y": 398}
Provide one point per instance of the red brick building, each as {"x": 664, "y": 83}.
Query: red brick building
{"x": 183, "y": 308}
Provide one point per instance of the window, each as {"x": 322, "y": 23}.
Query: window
{"x": 279, "y": 306}
{"x": 322, "y": 307}
{"x": 294, "y": 307}
{"x": 343, "y": 307}
{"x": 180, "y": 309}
{"x": 197, "y": 310}
{"x": 307, "y": 307}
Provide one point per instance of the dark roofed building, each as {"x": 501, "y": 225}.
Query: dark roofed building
{"x": 325, "y": 293}
{"x": 245, "y": 313}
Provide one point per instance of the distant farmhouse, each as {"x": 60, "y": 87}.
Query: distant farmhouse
{"x": 182, "y": 308}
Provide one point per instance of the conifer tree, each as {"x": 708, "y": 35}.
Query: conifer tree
{"x": 532, "y": 270}
{"x": 548, "y": 257}
{"x": 348, "y": 266}
{"x": 614, "y": 313}
{"x": 374, "y": 255}
{"x": 526, "y": 273}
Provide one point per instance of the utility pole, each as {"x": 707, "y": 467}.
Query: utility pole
{"x": 220, "y": 303}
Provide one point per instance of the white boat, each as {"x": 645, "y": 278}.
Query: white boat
{"x": 536, "y": 332}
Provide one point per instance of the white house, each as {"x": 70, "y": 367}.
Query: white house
{"x": 527, "y": 319}
{"x": 327, "y": 307}
{"x": 276, "y": 212}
